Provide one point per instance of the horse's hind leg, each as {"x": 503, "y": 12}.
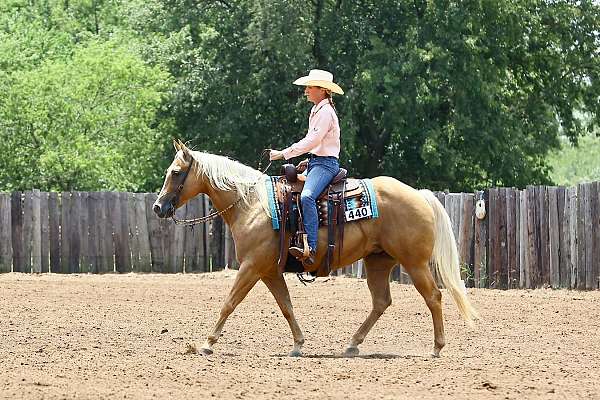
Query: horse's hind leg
{"x": 279, "y": 289}
{"x": 424, "y": 283}
{"x": 378, "y": 268}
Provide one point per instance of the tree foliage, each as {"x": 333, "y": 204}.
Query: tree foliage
{"x": 77, "y": 115}
{"x": 442, "y": 94}
{"x": 575, "y": 164}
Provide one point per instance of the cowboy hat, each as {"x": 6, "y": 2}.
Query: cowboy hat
{"x": 318, "y": 77}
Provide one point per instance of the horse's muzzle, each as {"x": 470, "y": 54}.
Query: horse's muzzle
{"x": 164, "y": 210}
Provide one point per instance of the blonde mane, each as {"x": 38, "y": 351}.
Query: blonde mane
{"x": 226, "y": 174}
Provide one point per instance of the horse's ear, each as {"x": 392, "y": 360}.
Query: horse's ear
{"x": 186, "y": 152}
{"x": 176, "y": 144}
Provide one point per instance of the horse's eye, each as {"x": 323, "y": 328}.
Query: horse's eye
{"x": 176, "y": 173}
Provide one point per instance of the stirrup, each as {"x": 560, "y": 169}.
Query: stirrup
{"x": 306, "y": 277}
{"x": 301, "y": 253}
{"x": 306, "y": 253}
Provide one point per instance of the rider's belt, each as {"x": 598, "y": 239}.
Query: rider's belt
{"x": 311, "y": 156}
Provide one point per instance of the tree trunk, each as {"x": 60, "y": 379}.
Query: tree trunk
{"x": 320, "y": 58}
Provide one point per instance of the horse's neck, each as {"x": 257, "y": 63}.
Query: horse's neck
{"x": 222, "y": 199}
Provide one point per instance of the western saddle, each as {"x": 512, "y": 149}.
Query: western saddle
{"x": 331, "y": 206}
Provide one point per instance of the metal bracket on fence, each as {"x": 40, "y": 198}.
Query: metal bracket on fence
{"x": 480, "y": 205}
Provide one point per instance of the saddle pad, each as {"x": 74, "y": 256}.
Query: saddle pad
{"x": 273, "y": 207}
{"x": 353, "y": 204}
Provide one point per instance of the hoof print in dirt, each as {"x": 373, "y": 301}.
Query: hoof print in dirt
{"x": 190, "y": 348}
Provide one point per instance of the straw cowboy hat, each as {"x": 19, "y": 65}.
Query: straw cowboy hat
{"x": 318, "y": 77}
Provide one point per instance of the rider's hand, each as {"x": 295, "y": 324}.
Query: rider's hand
{"x": 275, "y": 155}
{"x": 302, "y": 165}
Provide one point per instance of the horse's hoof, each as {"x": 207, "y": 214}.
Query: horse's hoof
{"x": 351, "y": 352}
{"x": 205, "y": 351}
{"x": 436, "y": 353}
{"x": 295, "y": 353}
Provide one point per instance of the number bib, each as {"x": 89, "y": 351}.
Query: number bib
{"x": 359, "y": 213}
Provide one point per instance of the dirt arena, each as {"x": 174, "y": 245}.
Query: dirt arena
{"x": 125, "y": 336}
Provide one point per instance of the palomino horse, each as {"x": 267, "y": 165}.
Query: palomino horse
{"x": 413, "y": 227}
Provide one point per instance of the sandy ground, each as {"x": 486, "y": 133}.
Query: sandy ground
{"x": 125, "y": 336}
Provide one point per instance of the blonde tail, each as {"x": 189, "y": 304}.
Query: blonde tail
{"x": 445, "y": 256}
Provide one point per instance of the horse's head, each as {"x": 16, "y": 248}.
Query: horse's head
{"x": 177, "y": 188}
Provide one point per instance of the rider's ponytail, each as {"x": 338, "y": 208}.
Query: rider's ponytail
{"x": 328, "y": 92}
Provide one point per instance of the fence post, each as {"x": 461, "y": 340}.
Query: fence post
{"x": 177, "y": 242}
{"x": 544, "y": 236}
{"x": 596, "y": 230}
{"x": 581, "y": 196}
{"x": 54, "y": 216}
{"x": 572, "y": 194}
{"x": 205, "y": 255}
{"x": 45, "y": 231}
{"x": 465, "y": 237}
{"x": 74, "y": 231}
{"x": 493, "y": 240}
{"x": 36, "y": 234}
{"x": 17, "y": 231}
{"x": 85, "y": 259}
{"x": 590, "y": 277}
{"x": 480, "y": 246}
{"x": 6, "y": 254}
{"x": 554, "y": 237}
{"x": 217, "y": 237}
{"x": 145, "y": 262}
{"x": 154, "y": 235}
{"x": 134, "y": 238}
{"x": 512, "y": 268}
{"x": 192, "y": 240}
{"x": 523, "y": 241}
{"x": 65, "y": 201}
{"x": 27, "y": 231}
{"x": 563, "y": 245}
{"x": 593, "y": 231}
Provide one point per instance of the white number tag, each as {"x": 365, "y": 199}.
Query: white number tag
{"x": 358, "y": 213}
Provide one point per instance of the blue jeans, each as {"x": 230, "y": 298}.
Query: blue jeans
{"x": 321, "y": 170}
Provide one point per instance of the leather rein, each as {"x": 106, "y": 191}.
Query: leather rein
{"x": 213, "y": 214}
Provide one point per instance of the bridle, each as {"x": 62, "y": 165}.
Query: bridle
{"x": 213, "y": 214}
{"x": 182, "y": 184}
{"x": 201, "y": 220}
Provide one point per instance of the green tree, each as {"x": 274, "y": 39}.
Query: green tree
{"x": 575, "y": 164}
{"x": 86, "y": 123}
{"x": 462, "y": 95}
{"x": 443, "y": 94}
{"x": 234, "y": 63}
{"x": 80, "y": 106}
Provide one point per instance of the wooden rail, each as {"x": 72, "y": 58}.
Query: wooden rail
{"x": 536, "y": 237}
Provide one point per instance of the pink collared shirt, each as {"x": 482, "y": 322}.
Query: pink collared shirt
{"x": 323, "y": 136}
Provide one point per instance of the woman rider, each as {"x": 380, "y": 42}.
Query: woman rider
{"x": 322, "y": 142}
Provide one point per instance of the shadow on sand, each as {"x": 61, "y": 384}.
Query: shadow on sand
{"x": 373, "y": 356}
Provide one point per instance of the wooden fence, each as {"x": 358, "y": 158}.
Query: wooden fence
{"x": 537, "y": 237}
{"x": 102, "y": 232}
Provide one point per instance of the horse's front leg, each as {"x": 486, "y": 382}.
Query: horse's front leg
{"x": 279, "y": 289}
{"x": 245, "y": 280}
